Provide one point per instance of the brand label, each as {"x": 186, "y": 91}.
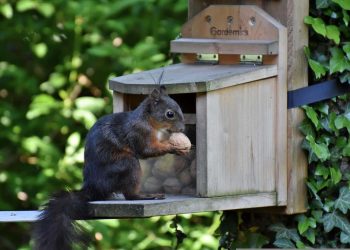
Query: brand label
{"x": 228, "y": 32}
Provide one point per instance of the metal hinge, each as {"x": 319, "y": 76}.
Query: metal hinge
{"x": 251, "y": 59}
{"x": 208, "y": 58}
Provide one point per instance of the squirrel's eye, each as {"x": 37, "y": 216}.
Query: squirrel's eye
{"x": 170, "y": 114}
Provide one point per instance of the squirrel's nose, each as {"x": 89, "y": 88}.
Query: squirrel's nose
{"x": 181, "y": 127}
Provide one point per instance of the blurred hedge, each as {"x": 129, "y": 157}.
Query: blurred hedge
{"x": 55, "y": 59}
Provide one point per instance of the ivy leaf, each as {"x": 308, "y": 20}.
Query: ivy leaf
{"x": 335, "y": 175}
{"x": 346, "y": 150}
{"x": 322, "y": 4}
{"x": 345, "y": 4}
{"x": 344, "y": 238}
{"x": 317, "y": 214}
{"x": 320, "y": 149}
{"x": 306, "y": 128}
{"x": 338, "y": 62}
{"x": 284, "y": 233}
{"x": 310, "y": 235}
{"x": 311, "y": 113}
{"x": 333, "y": 33}
{"x": 335, "y": 219}
{"x": 343, "y": 202}
{"x": 304, "y": 223}
{"x": 342, "y": 121}
{"x": 317, "y": 24}
{"x": 300, "y": 245}
{"x": 317, "y": 68}
{"x": 346, "y": 17}
{"x": 346, "y": 49}
{"x": 322, "y": 171}
{"x": 283, "y": 243}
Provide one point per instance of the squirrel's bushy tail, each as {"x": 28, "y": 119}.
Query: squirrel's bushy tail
{"x": 56, "y": 229}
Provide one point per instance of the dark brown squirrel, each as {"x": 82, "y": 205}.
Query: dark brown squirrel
{"x": 113, "y": 148}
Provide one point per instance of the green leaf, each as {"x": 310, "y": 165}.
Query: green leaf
{"x": 6, "y": 10}
{"x": 342, "y": 121}
{"x": 256, "y": 240}
{"x": 320, "y": 149}
{"x": 317, "y": 24}
{"x": 311, "y": 113}
{"x": 344, "y": 238}
{"x": 300, "y": 245}
{"x": 334, "y": 219}
{"x": 90, "y": 103}
{"x": 84, "y": 116}
{"x": 317, "y": 214}
{"x": 42, "y": 105}
{"x": 343, "y": 202}
{"x": 346, "y": 17}
{"x": 321, "y": 4}
{"x": 306, "y": 128}
{"x": 345, "y": 4}
{"x": 346, "y": 150}
{"x": 307, "y": 52}
{"x": 322, "y": 171}
{"x": 338, "y": 62}
{"x": 303, "y": 224}
{"x": 310, "y": 235}
{"x": 333, "y": 33}
{"x": 40, "y": 50}
{"x": 317, "y": 68}
{"x": 284, "y": 243}
{"x": 284, "y": 233}
{"x": 335, "y": 175}
{"x": 346, "y": 49}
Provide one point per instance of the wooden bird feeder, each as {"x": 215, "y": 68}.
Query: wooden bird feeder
{"x": 232, "y": 86}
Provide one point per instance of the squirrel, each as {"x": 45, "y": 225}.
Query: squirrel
{"x": 113, "y": 147}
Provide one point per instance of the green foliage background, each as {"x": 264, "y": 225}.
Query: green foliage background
{"x": 55, "y": 59}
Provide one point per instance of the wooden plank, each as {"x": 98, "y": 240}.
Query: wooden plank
{"x": 246, "y": 23}
{"x": 185, "y": 78}
{"x": 281, "y": 119}
{"x": 19, "y": 216}
{"x": 220, "y": 46}
{"x": 178, "y": 205}
{"x": 118, "y": 102}
{"x": 202, "y": 144}
{"x": 241, "y": 139}
{"x": 297, "y": 78}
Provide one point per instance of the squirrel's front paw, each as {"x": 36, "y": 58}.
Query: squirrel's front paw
{"x": 182, "y": 151}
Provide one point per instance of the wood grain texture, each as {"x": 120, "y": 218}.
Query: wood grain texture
{"x": 248, "y": 23}
{"x": 241, "y": 135}
{"x": 220, "y": 46}
{"x": 19, "y": 216}
{"x": 118, "y": 102}
{"x": 202, "y": 144}
{"x": 291, "y": 14}
{"x": 178, "y": 205}
{"x": 185, "y": 78}
{"x": 297, "y": 78}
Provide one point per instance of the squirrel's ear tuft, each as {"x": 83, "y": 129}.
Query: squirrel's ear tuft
{"x": 155, "y": 95}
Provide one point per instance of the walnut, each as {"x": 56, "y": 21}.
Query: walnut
{"x": 180, "y": 141}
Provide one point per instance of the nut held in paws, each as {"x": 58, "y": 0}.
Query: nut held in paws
{"x": 180, "y": 140}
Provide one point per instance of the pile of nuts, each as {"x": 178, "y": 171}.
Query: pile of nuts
{"x": 171, "y": 174}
